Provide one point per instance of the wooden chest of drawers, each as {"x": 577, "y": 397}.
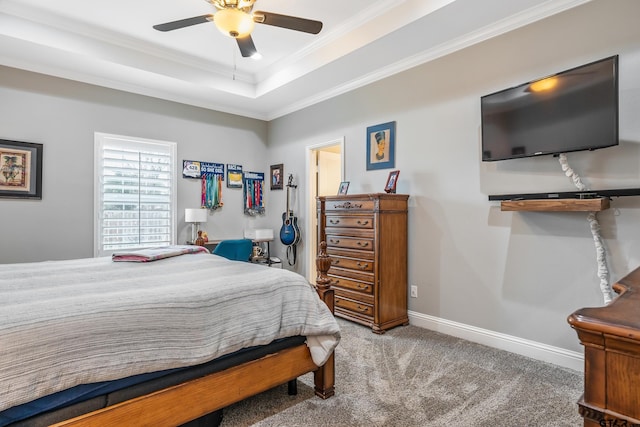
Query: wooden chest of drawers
{"x": 366, "y": 236}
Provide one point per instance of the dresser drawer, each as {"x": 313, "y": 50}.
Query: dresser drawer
{"x": 349, "y": 221}
{"x": 349, "y": 205}
{"x": 354, "y": 285}
{"x": 353, "y": 306}
{"x": 350, "y": 253}
{"x": 361, "y": 276}
{"x": 349, "y": 242}
{"x": 352, "y": 263}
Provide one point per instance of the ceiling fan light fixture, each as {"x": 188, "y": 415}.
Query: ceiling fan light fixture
{"x": 233, "y": 22}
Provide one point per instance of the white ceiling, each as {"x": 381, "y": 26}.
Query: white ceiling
{"x": 112, "y": 44}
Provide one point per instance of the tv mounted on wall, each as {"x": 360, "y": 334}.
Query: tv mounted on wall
{"x": 573, "y": 110}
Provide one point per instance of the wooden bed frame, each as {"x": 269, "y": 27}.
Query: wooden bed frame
{"x": 193, "y": 399}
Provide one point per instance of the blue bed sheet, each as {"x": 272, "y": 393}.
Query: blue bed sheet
{"x": 73, "y": 395}
{"x": 85, "y": 392}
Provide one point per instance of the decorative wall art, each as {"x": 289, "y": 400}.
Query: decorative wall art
{"x": 211, "y": 176}
{"x": 381, "y": 145}
{"x": 234, "y": 176}
{"x": 277, "y": 172}
{"x": 20, "y": 170}
{"x": 253, "y": 193}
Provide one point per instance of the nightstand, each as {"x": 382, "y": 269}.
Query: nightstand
{"x": 266, "y": 257}
{"x": 210, "y": 245}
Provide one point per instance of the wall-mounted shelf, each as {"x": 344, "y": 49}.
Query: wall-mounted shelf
{"x": 556, "y": 205}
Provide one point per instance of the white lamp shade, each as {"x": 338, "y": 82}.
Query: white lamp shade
{"x": 195, "y": 215}
{"x": 233, "y": 22}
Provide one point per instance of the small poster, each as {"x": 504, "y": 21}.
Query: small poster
{"x": 234, "y": 176}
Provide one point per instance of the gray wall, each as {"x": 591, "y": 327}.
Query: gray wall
{"x": 64, "y": 115}
{"x": 519, "y": 274}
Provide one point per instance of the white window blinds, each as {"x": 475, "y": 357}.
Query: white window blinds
{"x": 135, "y": 193}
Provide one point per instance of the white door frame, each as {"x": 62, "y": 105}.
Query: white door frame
{"x": 312, "y": 219}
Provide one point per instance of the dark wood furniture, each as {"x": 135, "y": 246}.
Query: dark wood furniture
{"x": 182, "y": 403}
{"x": 366, "y": 237}
{"x": 611, "y": 339}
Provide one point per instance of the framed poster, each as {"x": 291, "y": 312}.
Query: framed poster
{"x": 381, "y": 146}
{"x": 277, "y": 172}
{"x": 20, "y": 170}
{"x": 234, "y": 176}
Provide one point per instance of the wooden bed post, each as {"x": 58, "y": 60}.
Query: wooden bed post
{"x": 324, "y": 377}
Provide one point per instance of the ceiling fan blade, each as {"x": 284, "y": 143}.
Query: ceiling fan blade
{"x": 181, "y": 23}
{"x": 247, "y": 48}
{"x": 286, "y": 21}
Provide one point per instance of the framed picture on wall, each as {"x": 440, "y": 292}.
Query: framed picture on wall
{"x": 234, "y": 176}
{"x": 20, "y": 170}
{"x": 277, "y": 172}
{"x": 381, "y": 146}
{"x": 344, "y": 187}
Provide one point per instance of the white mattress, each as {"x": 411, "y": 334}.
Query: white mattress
{"x": 64, "y": 323}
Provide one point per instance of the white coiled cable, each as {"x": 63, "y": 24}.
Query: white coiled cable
{"x": 603, "y": 271}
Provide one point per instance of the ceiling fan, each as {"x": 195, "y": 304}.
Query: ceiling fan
{"x": 235, "y": 18}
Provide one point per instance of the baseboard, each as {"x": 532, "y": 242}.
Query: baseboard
{"x": 535, "y": 350}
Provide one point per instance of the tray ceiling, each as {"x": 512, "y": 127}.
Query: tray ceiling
{"x": 113, "y": 44}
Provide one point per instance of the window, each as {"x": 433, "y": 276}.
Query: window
{"x": 135, "y": 193}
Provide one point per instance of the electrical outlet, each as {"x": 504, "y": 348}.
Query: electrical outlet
{"x": 414, "y": 291}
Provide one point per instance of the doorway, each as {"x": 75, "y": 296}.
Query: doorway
{"x": 325, "y": 167}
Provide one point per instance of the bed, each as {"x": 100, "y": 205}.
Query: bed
{"x": 77, "y": 322}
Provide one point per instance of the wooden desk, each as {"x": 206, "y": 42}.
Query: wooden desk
{"x": 611, "y": 339}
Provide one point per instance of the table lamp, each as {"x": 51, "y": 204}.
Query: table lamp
{"x": 195, "y": 217}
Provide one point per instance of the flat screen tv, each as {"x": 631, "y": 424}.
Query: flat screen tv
{"x": 573, "y": 110}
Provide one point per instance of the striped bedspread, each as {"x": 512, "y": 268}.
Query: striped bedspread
{"x": 64, "y": 323}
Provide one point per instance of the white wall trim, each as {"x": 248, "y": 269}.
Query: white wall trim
{"x": 535, "y": 350}
{"x": 311, "y": 200}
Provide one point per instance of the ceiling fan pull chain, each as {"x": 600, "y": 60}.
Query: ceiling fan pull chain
{"x": 235, "y": 65}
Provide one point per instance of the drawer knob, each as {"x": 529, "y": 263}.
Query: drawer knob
{"x": 334, "y": 282}
{"x": 335, "y": 241}
{"x": 363, "y": 266}
{"x": 335, "y": 262}
{"x": 363, "y": 244}
{"x": 334, "y": 221}
{"x": 363, "y": 222}
{"x": 362, "y": 309}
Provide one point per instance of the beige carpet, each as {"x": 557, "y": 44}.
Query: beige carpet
{"x": 415, "y": 377}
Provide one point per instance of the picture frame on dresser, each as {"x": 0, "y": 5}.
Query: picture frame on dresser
{"x": 20, "y": 170}
{"x": 344, "y": 187}
{"x": 392, "y": 181}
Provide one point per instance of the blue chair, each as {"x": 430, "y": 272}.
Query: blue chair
{"x": 235, "y": 249}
